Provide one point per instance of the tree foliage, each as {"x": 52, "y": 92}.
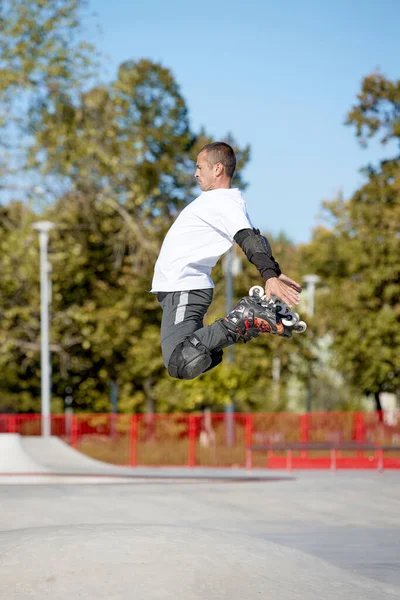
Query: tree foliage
{"x": 19, "y": 310}
{"x": 377, "y": 111}
{"x": 119, "y": 159}
{"x": 358, "y": 257}
{"x": 42, "y": 57}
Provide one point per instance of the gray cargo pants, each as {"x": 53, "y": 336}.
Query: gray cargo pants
{"x": 183, "y": 314}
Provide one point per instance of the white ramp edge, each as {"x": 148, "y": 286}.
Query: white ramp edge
{"x": 13, "y": 457}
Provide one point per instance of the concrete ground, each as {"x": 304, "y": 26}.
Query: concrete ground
{"x": 310, "y": 536}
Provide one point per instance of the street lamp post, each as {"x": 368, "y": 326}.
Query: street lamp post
{"x": 232, "y": 266}
{"x": 310, "y": 281}
{"x": 43, "y": 228}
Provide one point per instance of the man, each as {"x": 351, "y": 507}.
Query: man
{"x": 203, "y": 231}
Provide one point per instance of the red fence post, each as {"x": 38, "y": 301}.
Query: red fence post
{"x": 12, "y": 424}
{"x": 304, "y": 431}
{"x": 359, "y": 430}
{"x": 132, "y": 441}
{"x": 74, "y": 431}
{"x": 359, "y": 427}
{"x": 248, "y": 441}
{"x": 304, "y": 428}
{"x": 192, "y": 441}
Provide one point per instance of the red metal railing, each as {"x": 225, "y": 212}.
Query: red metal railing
{"x": 218, "y": 440}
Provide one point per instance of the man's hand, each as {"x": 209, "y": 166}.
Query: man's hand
{"x": 283, "y": 288}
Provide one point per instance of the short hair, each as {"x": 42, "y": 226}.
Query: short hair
{"x": 221, "y": 152}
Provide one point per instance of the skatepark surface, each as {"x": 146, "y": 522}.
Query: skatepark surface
{"x": 190, "y": 534}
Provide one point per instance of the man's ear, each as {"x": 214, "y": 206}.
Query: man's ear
{"x": 219, "y": 168}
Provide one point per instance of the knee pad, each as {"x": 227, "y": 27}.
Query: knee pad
{"x": 189, "y": 359}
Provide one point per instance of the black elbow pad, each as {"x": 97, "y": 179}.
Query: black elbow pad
{"x": 258, "y": 251}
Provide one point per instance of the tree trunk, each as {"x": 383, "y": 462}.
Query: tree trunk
{"x": 378, "y": 405}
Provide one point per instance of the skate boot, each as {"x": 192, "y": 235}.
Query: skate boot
{"x": 290, "y": 320}
{"x": 250, "y": 317}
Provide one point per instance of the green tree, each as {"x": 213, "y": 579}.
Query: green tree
{"x": 19, "y": 293}
{"x": 377, "y": 111}
{"x": 358, "y": 257}
{"x": 42, "y": 57}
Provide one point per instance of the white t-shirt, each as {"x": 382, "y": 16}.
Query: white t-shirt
{"x": 202, "y": 232}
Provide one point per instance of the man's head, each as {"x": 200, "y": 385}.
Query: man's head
{"x": 215, "y": 166}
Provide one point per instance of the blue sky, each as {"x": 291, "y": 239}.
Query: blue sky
{"x": 279, "y": 76}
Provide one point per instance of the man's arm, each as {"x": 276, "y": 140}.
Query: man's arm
{"x": 258, "y": 251}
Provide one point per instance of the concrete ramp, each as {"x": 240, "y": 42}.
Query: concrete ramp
{"x": 168, "y": 562}
{"x": 57, "y": 457}
{"x": 36, "y": 459}
{"x": 14, "y": 459}
{"x": 29, "y": 456}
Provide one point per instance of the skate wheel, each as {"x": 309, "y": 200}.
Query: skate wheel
{"x": 280, "y": 307}
{"x": 291, "y": 319}
{"x": 257, "y": 291}
{"x": 300, "y": 327}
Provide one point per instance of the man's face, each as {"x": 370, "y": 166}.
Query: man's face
{"x": 205, "y": 173}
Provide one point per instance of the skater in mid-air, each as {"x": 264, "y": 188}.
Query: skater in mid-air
{"x": 202, "y": 232}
